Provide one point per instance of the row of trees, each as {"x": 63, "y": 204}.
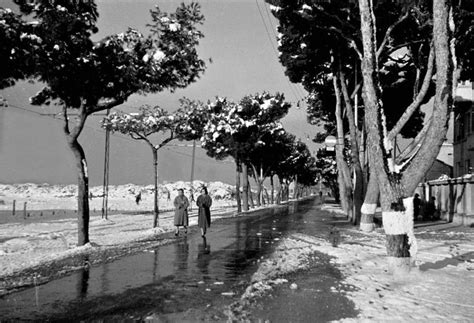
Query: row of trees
{"x": 249, "y": 132}
{"x": 50, "y": 42}
{"x": 396, "y": 56}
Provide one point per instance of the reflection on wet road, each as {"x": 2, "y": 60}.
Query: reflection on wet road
{"x": 192, "y": 272}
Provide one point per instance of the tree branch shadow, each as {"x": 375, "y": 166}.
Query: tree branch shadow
{"x": 454, "y": 261}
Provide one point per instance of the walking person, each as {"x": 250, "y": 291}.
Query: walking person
{"x": 181, "y": 204}
{"x": 204, "y": 203}
{"x": 138, "y": 198}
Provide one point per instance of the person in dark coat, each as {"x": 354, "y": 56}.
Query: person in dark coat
{"x": 138, "y": 198}
{"x": 430, "y": 208}
{"x": 204, "y": 203}
{"x": 181, "y": 204}
{"x": 416, "y": 206}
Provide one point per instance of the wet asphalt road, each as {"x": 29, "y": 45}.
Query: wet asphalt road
{"x": 195, "y": 276}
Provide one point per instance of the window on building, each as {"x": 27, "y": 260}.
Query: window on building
{"x": 467, "y": 166}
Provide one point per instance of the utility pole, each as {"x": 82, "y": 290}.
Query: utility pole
{"x": 105, "y": 189}
{"x": 356, "y": 121}
{"x": 192, "y": 174}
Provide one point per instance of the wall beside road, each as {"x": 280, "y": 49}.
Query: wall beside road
{"x": 454, "y": 198}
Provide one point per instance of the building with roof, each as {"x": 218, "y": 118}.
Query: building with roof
{"x": 463, "y": 141}
{"x": 443, "y": 165}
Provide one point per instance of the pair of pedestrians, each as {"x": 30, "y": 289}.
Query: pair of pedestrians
{"x": 181, "y": 205}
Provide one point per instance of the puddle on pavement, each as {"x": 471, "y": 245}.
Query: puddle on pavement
{"x": 319, "y": 297}
{"x": 191, "y": 273}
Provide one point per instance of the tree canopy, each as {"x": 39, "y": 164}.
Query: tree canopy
{"x": 310, "y": 34}
{"x": 237, "y": 129}
{"x": 78, "y": 71}
{"x": 50, "y": 42}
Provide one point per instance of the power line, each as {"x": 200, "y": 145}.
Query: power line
{"x": 181, "y": 145}
{"x": 297, "y": 97}
{"x": 273, "y": 28}
{"x": 116, "y": 135}
{"x": 27, "y": 110}
{"x": 273, "y": 46}
{"x": 55, "y": 117}
{"x": 266, "y": 29}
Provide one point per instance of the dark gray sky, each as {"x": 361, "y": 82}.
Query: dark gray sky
{"x": 33, "y": 148}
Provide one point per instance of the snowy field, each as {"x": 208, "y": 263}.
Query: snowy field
{"x": 25, "y": 243}
{"x": 121, "y": 197}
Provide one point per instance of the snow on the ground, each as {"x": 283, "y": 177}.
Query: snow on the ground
{"x": 121, "y": 197}
{"x": 439, "y": 289}
{"x": 28, "y": 243}
{"x": 290, "y": 255}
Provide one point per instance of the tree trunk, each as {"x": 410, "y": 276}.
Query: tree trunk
{"x": 237, "y": 186}
{"x": 280, "y": 191}
{"x": 273, "y": 189}
{"x": 295, "y": 188}
{"x": 252, "y": 205}
{"x": 260, "y": 184}
{"x": 358, "y": 195}
{"x": 259, "y": 190}
{"x": 343, "y": 173}
{"x": 245, "y": 188}
{"x": 267, "y": 197}
{"x": 155, "y": 198}
{"x": 443, "y": 99}
{"x": 259, "y": 194}
{"x": 82, "y": 191}
{"x": 259, "y": 179}
{"x": 370, "y": 205}
{"x": 335, "y": 193}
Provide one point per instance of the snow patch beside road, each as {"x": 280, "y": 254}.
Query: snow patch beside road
{"x": 289, "y": 256}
